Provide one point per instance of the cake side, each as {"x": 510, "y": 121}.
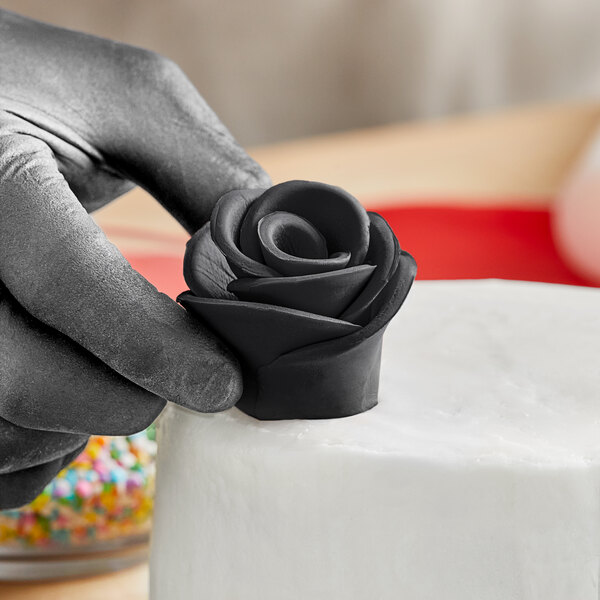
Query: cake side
{"x": 476, "y": 476}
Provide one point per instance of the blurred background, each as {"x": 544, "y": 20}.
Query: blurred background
{"x": 279, "y": 69}
{"x": 468, "y": 124}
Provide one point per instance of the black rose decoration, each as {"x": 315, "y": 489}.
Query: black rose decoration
{"x": 301, "y": 282}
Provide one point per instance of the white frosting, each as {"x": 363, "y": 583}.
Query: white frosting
{"x": 477, "y": 477}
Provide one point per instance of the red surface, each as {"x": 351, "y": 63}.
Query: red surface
{"x": 165, "y": 272}
{"x": 448, "y": 243}
{"x": 467, "y": 243}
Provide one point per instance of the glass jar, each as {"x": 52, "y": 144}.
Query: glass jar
{"x": 94, "y": 516}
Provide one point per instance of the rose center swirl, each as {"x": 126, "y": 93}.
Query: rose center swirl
{"x": 293, "y": 246}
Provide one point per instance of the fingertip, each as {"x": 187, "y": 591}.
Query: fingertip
{"x": 22, "y": 486}
{"x": 219, "y": 390}
{"x": 229, "y": 387}
{"x": 224, "y": 388}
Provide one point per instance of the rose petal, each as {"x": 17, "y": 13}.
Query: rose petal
{"x": 291, "y": 235}
{"x": 205, "y": 268}
{"x": 316, "y": 383}
{"x": 324, "y": 294}
{"x": 330, "y": 379}
{"x": 292, "y": 246}
{"x": 391, "y": 298}
{"x": 262, "y": 332}
{"x": 384, "y": 252}
{"x": 225, "y": 225}
{"x": 335, "y": 213}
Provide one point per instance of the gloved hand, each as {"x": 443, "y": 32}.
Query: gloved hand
{"x": 87, "y": 345}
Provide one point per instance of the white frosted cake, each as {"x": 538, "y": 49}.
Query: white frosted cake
{"x": 476, "y": 477}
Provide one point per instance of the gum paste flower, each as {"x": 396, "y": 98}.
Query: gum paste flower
{"x": 301, "y": 282}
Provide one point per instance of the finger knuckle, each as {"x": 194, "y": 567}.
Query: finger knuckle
{"x": 150, "y": 67}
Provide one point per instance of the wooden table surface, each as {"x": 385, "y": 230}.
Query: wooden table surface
{"x": 493, "y": 158}
{"x": 523, "y": 154}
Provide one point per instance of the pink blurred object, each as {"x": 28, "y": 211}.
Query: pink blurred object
{"x": 576, "y": 222}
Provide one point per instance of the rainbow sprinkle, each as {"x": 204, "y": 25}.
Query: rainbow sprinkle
{"x": 104, "y": 494}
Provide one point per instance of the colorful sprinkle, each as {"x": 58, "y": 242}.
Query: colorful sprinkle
{"x": 61, "y": 488}
{"x": 106, "y": 493}
{"x": 83, "y": 488}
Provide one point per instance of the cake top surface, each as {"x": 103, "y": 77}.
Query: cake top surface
{"x": 481, "y": 371}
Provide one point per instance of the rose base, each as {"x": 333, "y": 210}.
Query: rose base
{"x": 315, "y": 383}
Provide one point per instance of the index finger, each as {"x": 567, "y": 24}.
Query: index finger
{"x": 61, "y": 268}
